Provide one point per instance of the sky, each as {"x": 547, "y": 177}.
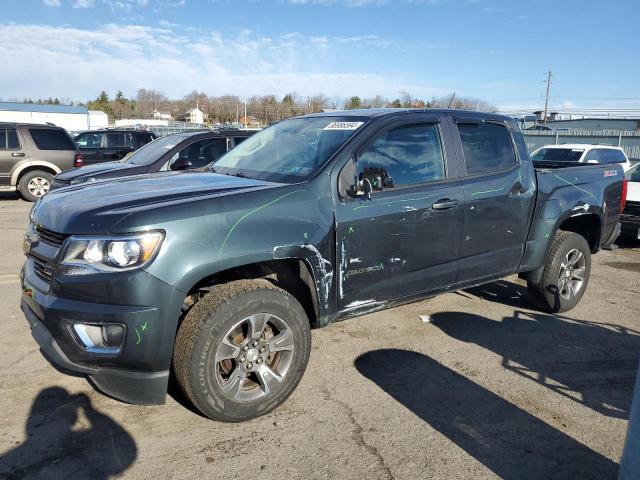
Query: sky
{"x": 495, "y": 50}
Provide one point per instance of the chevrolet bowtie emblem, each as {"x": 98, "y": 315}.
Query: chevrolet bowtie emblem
{"x": 30, "y": 240}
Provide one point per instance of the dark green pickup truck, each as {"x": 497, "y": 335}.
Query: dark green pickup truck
{"x": 219, "y": 276}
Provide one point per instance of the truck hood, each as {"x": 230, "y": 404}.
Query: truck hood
{"x": 94, "y": 208}
{"x": 94, "y": 170}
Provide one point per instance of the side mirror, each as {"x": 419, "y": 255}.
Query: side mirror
{"x": 180, "y": 164}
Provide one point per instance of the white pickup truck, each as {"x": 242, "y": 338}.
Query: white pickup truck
{"x": 583, "y": 153}
{"x": 630, "y": 218}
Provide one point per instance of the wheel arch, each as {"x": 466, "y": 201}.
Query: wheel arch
{"x": 294, "y": 275}
{"x": 33, "y": 166}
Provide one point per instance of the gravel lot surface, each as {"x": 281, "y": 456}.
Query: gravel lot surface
{"x": 488, "y": 388}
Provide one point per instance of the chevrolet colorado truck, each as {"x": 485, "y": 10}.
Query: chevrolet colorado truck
{"x": 218, "y": 276}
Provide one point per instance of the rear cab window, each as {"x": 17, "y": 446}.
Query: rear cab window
{"x": 9, "y": 139}
{"x": 558, "y": 155}
{"x": 487, "y": 147}
{"x": 51, "y": 139}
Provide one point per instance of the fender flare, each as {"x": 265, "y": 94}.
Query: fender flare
{"x": 32, "y": 163}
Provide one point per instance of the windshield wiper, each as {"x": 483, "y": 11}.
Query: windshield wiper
{"x": 235, "y": 174}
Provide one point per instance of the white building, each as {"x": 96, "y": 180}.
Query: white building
{"x": 68, "y": 117}
{"x": 157, "y": 115}
{"x": 194, "y": 115}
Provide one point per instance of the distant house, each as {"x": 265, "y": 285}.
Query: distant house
{"x": 194, "y": 115}
{"x": 161, "y": 115}
{"x": 69, "y": 117}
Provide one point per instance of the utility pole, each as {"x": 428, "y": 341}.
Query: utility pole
{"x": 546, "y": 99}
{"x": 245, "y": 112}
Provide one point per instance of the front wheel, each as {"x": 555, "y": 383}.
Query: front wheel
{"x": 241, "y": 350}
{"x": 565, "y": 276}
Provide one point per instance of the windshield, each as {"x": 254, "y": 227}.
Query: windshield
{"x": 557, "y": 155}
{"x": 154, "y": 150}
{"x": 289, "y": 151}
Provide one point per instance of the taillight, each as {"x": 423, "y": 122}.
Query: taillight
{"x": 77, "y": 161}
{"x": 623, "y": 200}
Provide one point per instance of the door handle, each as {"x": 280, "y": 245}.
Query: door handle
{"x": 445, "y": 204}
{"x": 17, "y": 154}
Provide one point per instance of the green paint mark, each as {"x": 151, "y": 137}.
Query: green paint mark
{"x": 139, "y": 338}
{"x": 143, "y": 327}
{"x": 251, "y": 212}
{"x": 546, "y": 235}
{"x": 487, "y": 191}
{"x": 574, "y": 185}
{"x": 384, "y": 204}
{"x": 351, "y": 230}
{"x": 306, "y": 236}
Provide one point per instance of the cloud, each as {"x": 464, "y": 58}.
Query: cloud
{"x": 82, "y": 3}
{"x": 51, "y": 3}
{"x": 80, "y": 62}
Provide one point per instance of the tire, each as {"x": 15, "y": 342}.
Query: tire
{"x": 245, "y": 376}
{"x": 566, "y": 274}
{"x": 33, "y": 185}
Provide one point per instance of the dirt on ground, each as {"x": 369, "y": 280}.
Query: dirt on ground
{"x": 473, "y": 384}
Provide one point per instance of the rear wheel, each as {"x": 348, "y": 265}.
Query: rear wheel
{"x": 565, "y": 276}
{"x": 242, "y": 350}
{"x": 33, "y": 185}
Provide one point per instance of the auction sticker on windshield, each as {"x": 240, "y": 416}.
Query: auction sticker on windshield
{"x": 343, "y": 126}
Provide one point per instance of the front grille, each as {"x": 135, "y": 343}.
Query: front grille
{"x": 632, "y": 208}
{"x": 44, "y": 271}
{"x": 52, "y": 238}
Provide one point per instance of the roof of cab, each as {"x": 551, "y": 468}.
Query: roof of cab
{"x": 582, "y": 146}
{"x": 382, "y": 112}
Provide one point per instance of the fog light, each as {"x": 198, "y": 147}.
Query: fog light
{"x": 100, "y": 338}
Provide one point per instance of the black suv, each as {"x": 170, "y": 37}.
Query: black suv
{"x": 178, "y": 151}
{"x": 107, "y": 145}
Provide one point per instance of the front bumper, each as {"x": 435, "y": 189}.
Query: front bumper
{"x": 139, "y": 372}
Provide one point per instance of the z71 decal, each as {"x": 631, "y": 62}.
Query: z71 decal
{"x": 610, "y": 173}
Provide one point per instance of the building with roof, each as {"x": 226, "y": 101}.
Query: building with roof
{"x": 194, "y": 115}
{"x": 69, "y": 117}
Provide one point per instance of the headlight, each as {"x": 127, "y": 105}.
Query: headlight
{"x": 83, "y": 255}
{"x": 75, "y": 181}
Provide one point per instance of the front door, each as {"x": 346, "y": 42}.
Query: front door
{"x": 497, "y": 201}
{"x": 404, "y": 240}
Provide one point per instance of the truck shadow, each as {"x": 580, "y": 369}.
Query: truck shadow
{"x": 591, "y": 363}
{"x": 68, "y": 438}
{"x": 506, "y": 439}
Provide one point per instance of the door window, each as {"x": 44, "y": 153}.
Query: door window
{"x": 404, "y": 156}
{"x": 487, "y": 147}
{"x": 89, "y": 140}
{"x": 116, "y": 140}
{"x": 9, "y": 139}
{"x": 203, "y": 152}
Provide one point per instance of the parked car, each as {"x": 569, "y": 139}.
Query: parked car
{"x": 221, "y": 274}
{"x": 630, "y": 217}
{"x": 582, "y": 153}
{"x": 107, "y": 145}
{"x": 178, "y": 151}
{"x": 31, "y": 154}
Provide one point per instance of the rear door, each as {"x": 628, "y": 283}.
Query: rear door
{"x": 497, "y": 205}
{"x": 405, "y": 239}
{"x": 12, "y": 151}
